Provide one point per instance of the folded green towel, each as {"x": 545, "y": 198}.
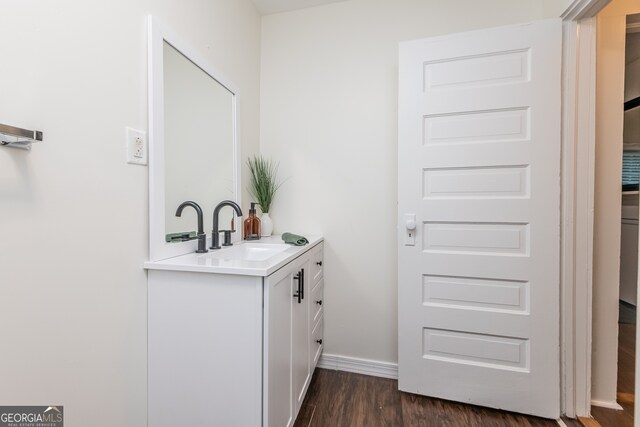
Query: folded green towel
{"x": 294, "y": 239}
{"x": 180, "y": 237}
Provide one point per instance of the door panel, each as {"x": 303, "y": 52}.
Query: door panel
{"x": 479, "y": 167}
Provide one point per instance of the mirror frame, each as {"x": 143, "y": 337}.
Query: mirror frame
{"x": 158, "y": 34}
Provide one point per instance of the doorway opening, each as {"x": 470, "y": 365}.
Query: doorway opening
{"x": 615, "y": 227}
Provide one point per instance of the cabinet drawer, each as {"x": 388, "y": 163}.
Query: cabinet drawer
{"x": 317, "y": 302}
{"x": 316, "y": 341}
{"x": 317, "y": 259}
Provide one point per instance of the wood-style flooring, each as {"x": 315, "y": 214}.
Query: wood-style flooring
{"x": 344, "y": 399}
{"x": 626, "y": 377}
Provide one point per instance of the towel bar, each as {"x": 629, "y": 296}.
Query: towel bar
{"x": 11, "y": 136}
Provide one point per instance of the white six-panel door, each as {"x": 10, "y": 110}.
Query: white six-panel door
{"x": 479, "y": 217}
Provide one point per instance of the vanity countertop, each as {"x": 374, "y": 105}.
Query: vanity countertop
{"x": 216, "y": 262}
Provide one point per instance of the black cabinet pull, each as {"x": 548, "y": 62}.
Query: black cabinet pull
{"x": 319, "y": 302}
{"x": 319, "y": 341}
{"x": 300, "y": 278}
{"x": 302, "y": 284}
{"x": 319, "y": 263}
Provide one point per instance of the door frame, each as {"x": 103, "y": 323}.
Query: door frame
{"x": 577, "y": 202}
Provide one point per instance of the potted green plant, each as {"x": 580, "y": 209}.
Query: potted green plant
{"x": 263, "y": 186}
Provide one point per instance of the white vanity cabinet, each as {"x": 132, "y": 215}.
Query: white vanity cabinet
{"x": 233, "y": 349}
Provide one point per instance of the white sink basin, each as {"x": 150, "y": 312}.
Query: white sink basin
{"x": 249, "y": 251}
{"x": 255, "y": 258}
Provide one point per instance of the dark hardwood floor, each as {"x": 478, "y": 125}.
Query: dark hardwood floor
{"x": 626, "y": 378}
{"x": 344, "y": 399}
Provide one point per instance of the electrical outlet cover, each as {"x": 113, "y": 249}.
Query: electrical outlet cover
{"x": 136, "y": 144}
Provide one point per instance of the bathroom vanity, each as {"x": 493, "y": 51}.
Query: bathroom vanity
{"x": 235, "y": 334}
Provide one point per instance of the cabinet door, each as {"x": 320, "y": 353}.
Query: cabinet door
{"x": 278, "y": 397}
{"x": 301, "y": 371}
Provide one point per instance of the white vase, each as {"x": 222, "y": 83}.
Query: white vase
{"x": 266, "y": 225}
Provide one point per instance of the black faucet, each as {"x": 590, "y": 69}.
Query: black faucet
{"x": 215, "y": 234}
{"x": 202, "y": 237}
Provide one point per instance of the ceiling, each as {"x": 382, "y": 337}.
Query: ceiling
{"x": 266, "y": 7}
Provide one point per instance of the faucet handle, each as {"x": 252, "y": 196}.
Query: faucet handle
{"x": 227, "y": 237}
{"x": 202, "y": 243}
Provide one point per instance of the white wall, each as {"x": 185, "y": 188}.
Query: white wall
{"x": 611, "y": 28}
{"x": 329, "y": 115}
{"x": 554, "y": 8}
{"x": 73, "y": 215}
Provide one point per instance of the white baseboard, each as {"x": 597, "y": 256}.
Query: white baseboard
{"x": 606, "y": 404}
{"x": 359, "y": 366}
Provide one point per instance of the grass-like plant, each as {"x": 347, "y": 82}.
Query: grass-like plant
{"x": 263, "y": 185}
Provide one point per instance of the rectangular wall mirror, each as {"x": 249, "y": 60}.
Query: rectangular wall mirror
{"x": 193, "y": 139}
